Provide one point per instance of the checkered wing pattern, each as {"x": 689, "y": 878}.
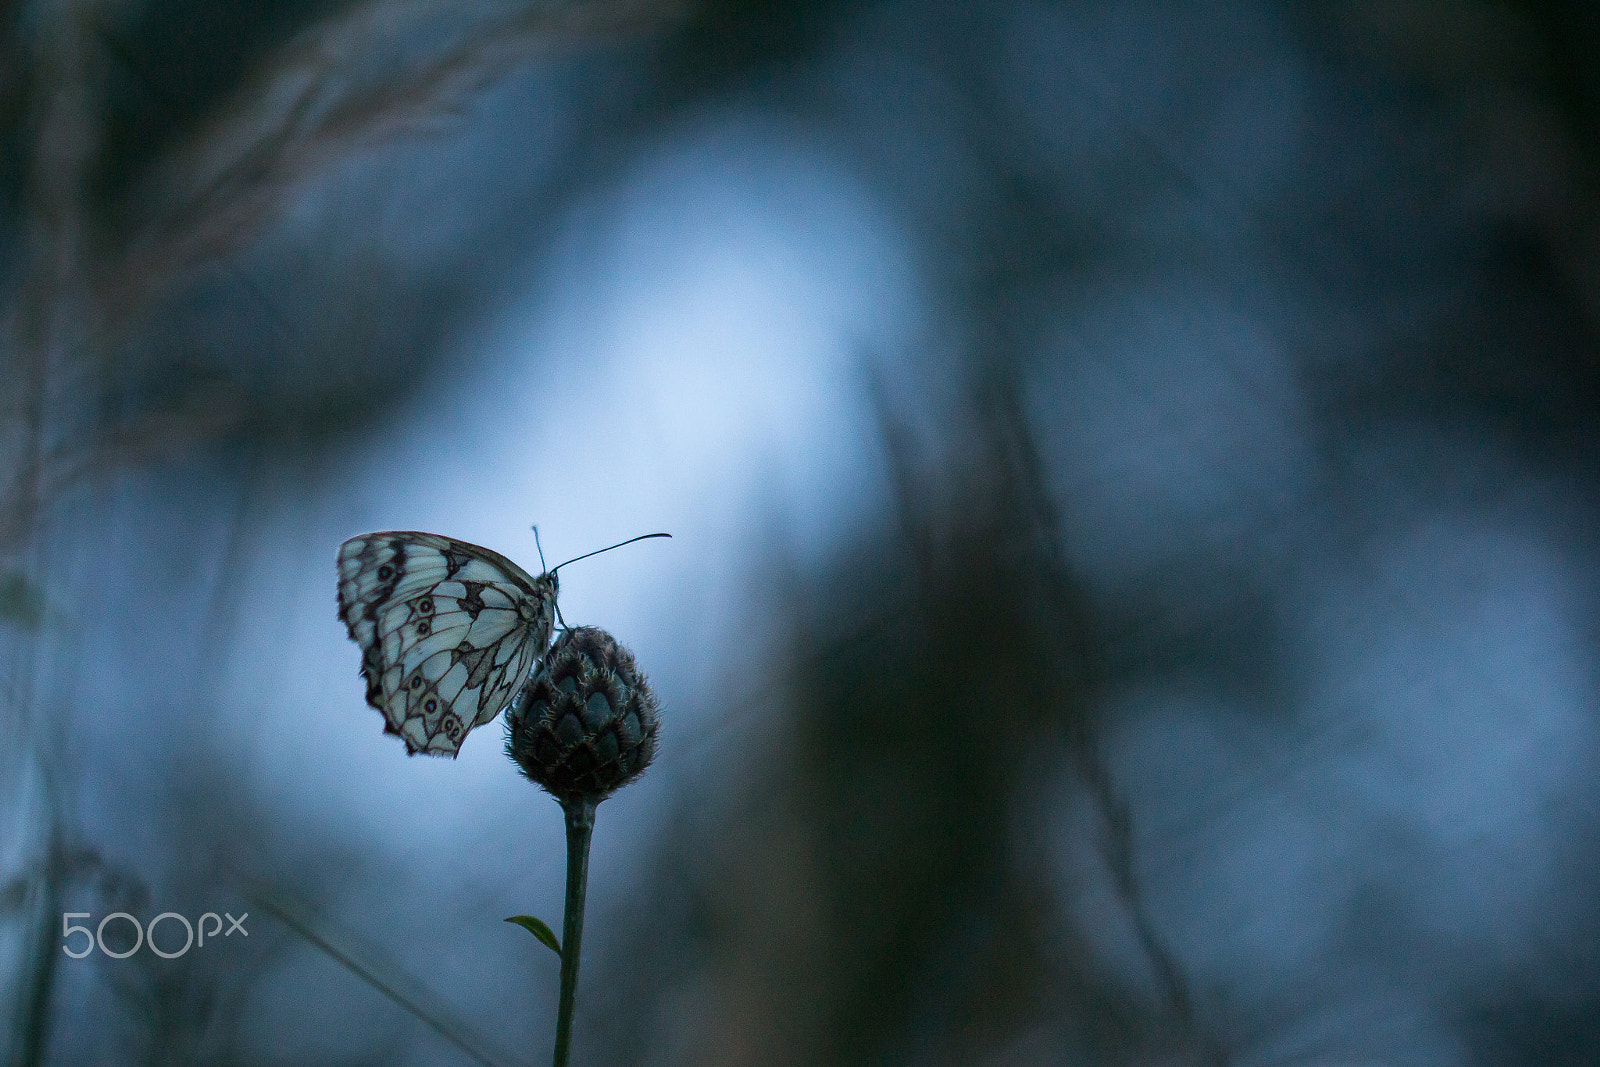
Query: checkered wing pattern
{"x": 448, "y": 631}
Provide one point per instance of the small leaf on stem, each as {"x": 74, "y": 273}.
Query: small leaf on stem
{"x": 538, "y": 929}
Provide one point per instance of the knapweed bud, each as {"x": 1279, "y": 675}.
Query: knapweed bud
{"x": 586, "y": 725}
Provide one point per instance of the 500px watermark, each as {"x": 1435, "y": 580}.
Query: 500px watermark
{"x": 90, "y": 940}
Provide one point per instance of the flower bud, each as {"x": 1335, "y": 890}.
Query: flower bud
{"x": 585, "y": 726}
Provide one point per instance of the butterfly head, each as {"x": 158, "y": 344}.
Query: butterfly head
{"x": 541, "y": 607}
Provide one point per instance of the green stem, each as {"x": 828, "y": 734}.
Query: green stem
{"x": 580, "y": 827}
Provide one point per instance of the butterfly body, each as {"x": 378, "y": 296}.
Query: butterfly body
{"x": 448, "y": 631}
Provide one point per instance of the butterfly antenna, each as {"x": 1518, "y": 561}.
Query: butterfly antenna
{"x": 596, "y": 552}
{"x": 537, "y": 545}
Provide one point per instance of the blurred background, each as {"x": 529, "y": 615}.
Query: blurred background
{"x": 1133, "y": 477}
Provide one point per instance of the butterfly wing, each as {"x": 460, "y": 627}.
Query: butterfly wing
{"x": 448, "y": 631}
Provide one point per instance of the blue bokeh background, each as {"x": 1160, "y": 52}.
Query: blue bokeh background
{"x": 1133, "y": 480}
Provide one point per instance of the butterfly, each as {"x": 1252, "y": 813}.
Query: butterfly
{"x": 449, "y": 631}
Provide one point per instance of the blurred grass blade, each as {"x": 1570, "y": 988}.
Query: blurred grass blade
{"x": 20, "y": 602}
{"x": 15, "y": 894}
{"x": 387, "y": 978}
{"x": 538, "y": 929}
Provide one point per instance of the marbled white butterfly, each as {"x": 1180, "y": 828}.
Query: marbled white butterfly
{"x": 448, "y": 631}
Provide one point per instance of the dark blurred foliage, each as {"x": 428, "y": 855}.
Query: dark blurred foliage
{"x": 895, "y": 873}
{"x": 863, "y": 901}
